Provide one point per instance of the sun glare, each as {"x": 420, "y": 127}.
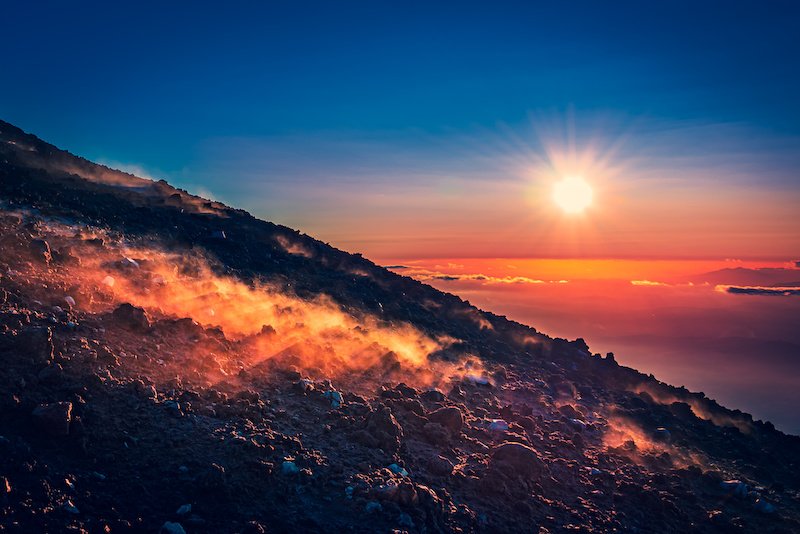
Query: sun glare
{"x": 572, "y": 194}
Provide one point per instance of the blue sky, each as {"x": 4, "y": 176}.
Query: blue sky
{"x": 241, "y": 102}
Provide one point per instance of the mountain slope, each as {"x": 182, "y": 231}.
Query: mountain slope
{"x": 161, "y": 350}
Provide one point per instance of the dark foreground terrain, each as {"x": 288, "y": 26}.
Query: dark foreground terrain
{"x": 171, "y": 364}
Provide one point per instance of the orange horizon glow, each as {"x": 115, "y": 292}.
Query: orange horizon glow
{"x": 581, "y": 268}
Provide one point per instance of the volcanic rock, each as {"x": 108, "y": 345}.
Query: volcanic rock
{"x": 384, "y": 428}
{"x": 40, "y": 250}
{"x": 516, "y": 458}
{"x": 449, "y": 417}
{"x": 131, "y": 317}
{"x": 53, "y": 419}
{"x": 37, "y": 343}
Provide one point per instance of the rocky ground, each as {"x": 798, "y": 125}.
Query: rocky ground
{"x": 170, "y": 364}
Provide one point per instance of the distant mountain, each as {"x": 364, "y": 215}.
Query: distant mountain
{"x": 741, "y": 276}
{"x": 170, "y": 363}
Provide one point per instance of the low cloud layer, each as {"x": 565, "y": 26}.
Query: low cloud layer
{"x": 756, "y": 290}
{"x": 426, "y": 275}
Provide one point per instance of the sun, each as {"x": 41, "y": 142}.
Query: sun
{"x": 572, "y": 194}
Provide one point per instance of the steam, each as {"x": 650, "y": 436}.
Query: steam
{"x": 292, "y": 247}
{"x": 264, "y": 324}
{"x": 700, "y": 411}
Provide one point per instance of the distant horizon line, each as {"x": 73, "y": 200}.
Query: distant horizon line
{"x": 783, "y": 259}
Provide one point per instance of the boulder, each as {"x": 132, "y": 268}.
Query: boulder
{"x": 449, "y": 417}
{"x": 36, "y": 342}
{"x": 385, "y": 429}
{"x": 432, "y": 395}
{"x": 511, "y": 458}
{"x": 53, "y": 419}
{"x": 439, "y": 465}
{"x": 131, "y": 317}
{"x": 40, "y": 250}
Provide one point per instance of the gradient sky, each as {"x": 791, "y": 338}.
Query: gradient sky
{"x": 404, "y": 129}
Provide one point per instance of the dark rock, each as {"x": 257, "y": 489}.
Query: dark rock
{"x": 662, "y": 434}
{"x": 40, "y": 250}
{"x": 516, "y": 458}
{"x": 131, "y": 317}
{"x": 569, "y": 411}
{"x": 170, "y": 527}
{"x": 449, "y": 417}
{"x": 53, "y": 419}
{"x": 405, "y": 390}
{"x": 253, "y": 527}
{"x": 51, "y": 374}
{"x": 439, "y": 465}
{"x": 36, "y": 342}
{"x": 432, "y": 395}
{"x": 436, "y": 434}
{"x": 384, "y": 428}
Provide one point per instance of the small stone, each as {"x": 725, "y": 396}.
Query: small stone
{"x": 184, "y": 509}
{"x": 373, "y": 506}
